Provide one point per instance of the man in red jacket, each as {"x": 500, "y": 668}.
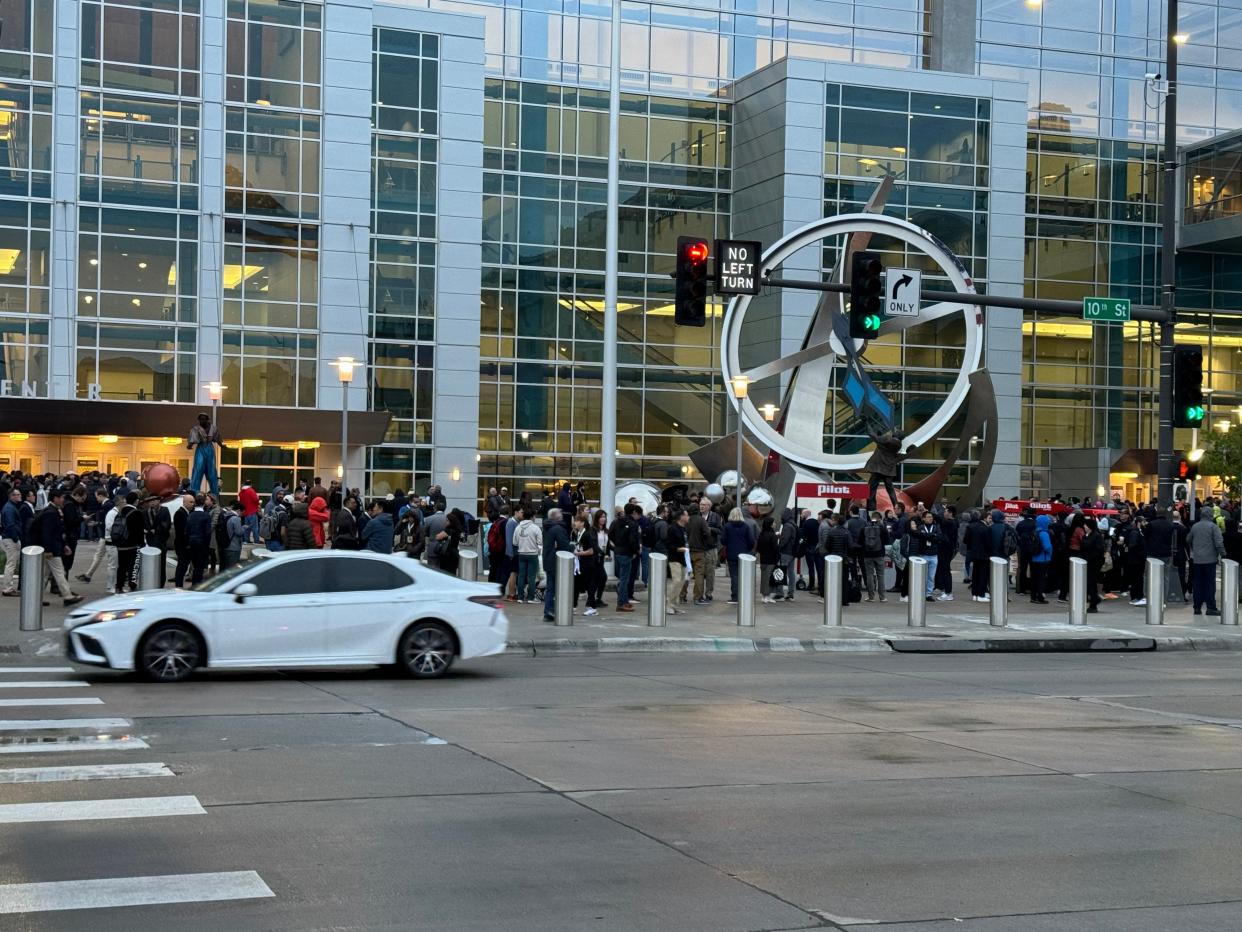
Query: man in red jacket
{"x": 249, "y": 499}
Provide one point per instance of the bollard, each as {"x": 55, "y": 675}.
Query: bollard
{"x": 149, "y": 567}
{"x": 916, "y": 576}
{"x": 1078, "y": 591}
{"x": 998, "y": 585}
{"x": 1153, "y": 591}
{"x": 1229, "y": 592}
{"x": 657, "y": 593}
{"x": 834, "y": 572}
{"x": 32, "y": 589}
{"x": 746, "y": 590}
{"x": 468, "y": 567}
{"x": 564, "y": 589}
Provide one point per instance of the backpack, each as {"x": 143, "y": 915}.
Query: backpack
{"x": 267, "y": 525}
{"x": 222, "y": 533}
{"x": 1094, "y": 545}
{"x": 647, "y": 534}
{"x": 120, "y": 529}
{"x": 1009, "y": 541}
{"x": 496, "y": 537}
{"x": 872, "y": 540}
{"x": 852, "y": 590}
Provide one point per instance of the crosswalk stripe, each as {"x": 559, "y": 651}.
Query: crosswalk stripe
{"x": 43, "y": 684}
{"x": 139, "y": 807}
{"x": 83, "y": 772}
{"x": 63, "y": 724}
{"x": 22, "y": 703}
{"x": 8, "y": 670}
{"x": 22, "y": 744}
{"x": 131, "y": 891}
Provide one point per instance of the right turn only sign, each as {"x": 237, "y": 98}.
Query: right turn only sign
{"x": 901, "y": 297}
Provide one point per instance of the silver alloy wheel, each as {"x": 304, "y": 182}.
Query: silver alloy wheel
{"x": 427, "y": 651}
{"x": 170, "y": 654}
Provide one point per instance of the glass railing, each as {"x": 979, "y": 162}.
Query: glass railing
{"x": 1218, "y": 209}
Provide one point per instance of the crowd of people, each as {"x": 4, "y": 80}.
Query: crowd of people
{"x": 696, "y": 536}
{"x": 1114, "y": 538}
{"x": 204, "y": 533}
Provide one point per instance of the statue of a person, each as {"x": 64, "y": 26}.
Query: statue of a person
{"x": 204, "y": 438}
{"x": 883, "y": 464}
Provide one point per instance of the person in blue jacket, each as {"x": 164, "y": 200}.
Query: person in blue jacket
{"x": 738, "y": 539}
{"x": 1040, "y": 559}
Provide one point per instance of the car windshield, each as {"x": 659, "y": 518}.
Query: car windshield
{"x": 224, "y": 578}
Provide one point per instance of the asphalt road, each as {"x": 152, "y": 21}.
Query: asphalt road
{"x": 886, "y": 792}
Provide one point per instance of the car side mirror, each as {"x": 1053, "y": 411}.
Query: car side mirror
{"x": 245, "y": 591}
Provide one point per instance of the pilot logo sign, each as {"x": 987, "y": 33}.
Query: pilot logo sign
{"x": 902, "y": 292}
{"x": 737, "y": 266}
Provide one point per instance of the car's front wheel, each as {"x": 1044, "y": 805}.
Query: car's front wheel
{"x": 170, "y": 652}
{"x": 426, "y": 650}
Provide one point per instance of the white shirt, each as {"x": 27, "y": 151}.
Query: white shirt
{"x": 108, "y": 519}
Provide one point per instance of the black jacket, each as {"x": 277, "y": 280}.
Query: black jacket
{"x": 768, "y": 548}
{"x": 555, "y": 538}
{"x": 198, "y": 528}
{"x": 1160, "y": 537}
{"x": 929, "y": 540}
{"x": 979, "y": 541}
{"x": 299, "y": 535}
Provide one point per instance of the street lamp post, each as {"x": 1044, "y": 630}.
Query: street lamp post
{"x": 345, "y": 370}
{"x": 215, "y": 391}
{"x": 741, "y": 387}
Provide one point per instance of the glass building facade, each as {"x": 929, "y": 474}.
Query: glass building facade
{"x": 244, "y": 190}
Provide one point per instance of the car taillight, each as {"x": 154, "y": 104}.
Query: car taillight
{"x": 491, "y": 601}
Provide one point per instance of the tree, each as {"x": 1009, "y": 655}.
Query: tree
{"x": 1222, "y": 456}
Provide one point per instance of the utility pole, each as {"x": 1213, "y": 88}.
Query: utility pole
{"x": 1168, "y": 266}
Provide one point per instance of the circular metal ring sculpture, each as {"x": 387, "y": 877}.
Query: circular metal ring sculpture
{"x": 799, "y": 445}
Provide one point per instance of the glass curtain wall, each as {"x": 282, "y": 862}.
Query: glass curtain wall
{"x": 404, "y": 152}
{"x": 25, "y": 190}
{"x": 1093, "y": 196}
{"x": 273, "y": 118}
{"x": 936, "y": 146}
{"x": 138, "y": 225}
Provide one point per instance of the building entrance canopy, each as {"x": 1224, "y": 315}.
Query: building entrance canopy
{"x": 156, "y": 419}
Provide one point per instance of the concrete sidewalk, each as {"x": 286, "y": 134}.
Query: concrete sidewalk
{"x": 960, "y": 625}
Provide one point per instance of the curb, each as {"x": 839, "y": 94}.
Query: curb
{"x": 1205, "y": 643}
{"x": 706, "y": 645}
{"x": 1029, "y": 645}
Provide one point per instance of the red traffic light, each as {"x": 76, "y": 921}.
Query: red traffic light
{"x": 696, "y": 251}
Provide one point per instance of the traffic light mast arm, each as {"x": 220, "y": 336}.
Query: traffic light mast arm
{"x": 1074, "y": 308}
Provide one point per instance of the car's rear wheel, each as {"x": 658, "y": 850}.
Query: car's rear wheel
{"x": 170, "y": 652}
{"x": 426, "y": 650}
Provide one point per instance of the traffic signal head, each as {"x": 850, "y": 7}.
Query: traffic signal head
{"x": 866, "y": 295}
{"x": 690, "y": 302}
{"x": 1186, "y": 470}
{"x": 1188, "y": 409}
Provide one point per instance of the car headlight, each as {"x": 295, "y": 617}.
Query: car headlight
{"x": 115, "y": 615}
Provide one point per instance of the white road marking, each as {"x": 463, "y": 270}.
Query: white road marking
{"x": 44, "y": 684}
{"x": 84, "y": 772}
{"x": 22, "y": 703}
{"x": 5, "y": 671}
{"x": 63, "y": 724}
{"x": 131, "y": 891}
{"x": 140, "y": 807}
{"x": 31, "y": 745}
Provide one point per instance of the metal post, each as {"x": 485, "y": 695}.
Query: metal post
{"x": 1229, "y": 592}
{"x": 1078, "y": 591}
{"x": 608, "y": 413}
{"x": 657, "y": 591}
{"x": 468, "y": 567}
{"x": 1153, "y": 585}
{"x": 834, "y": 572}
{"x": 564, "y": 589}
{"x": 998, "y": 585}
{"x": 746, "y": 590}
{"x": 32, "y": 589}
{"x": 737, "y": 476}
{"x": 149, "y": 567}
{"x": 1168, "y": 272}
{"x": 917, "y": 579}
{"x": 344, "y": 438}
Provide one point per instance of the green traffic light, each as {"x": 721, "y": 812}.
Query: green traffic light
{"x": 871, "y": 322}
{"x": 1195, "y": 413}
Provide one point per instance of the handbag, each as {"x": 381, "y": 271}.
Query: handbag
{"x": 777, "y": 578}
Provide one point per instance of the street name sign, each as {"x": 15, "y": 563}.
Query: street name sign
{"x": 901, "y": 298}
{"x": 737, "y": 266}
{"x": 1110, "y": 309}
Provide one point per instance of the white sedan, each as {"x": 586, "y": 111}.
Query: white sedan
{"x": 317, "y": 608}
